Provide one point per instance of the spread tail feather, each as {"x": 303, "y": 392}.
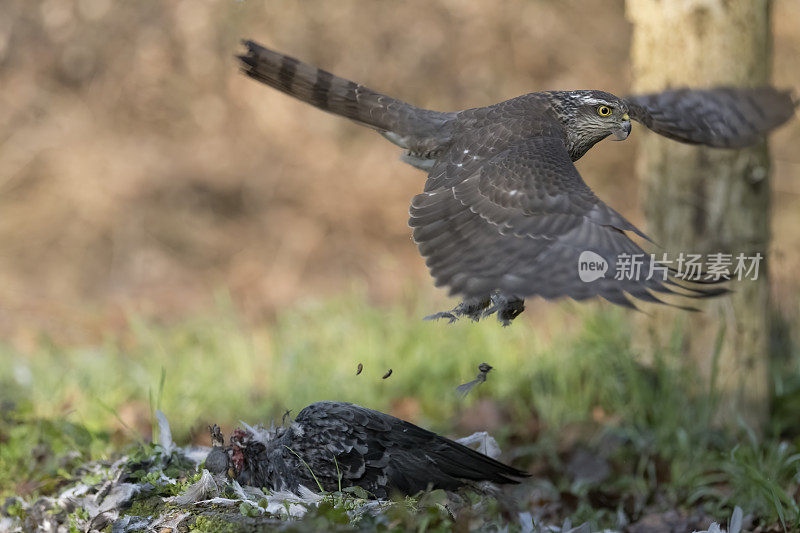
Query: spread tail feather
{"x": 408, "y": 126}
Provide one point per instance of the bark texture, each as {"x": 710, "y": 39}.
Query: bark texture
{"x": 704, "y": 200}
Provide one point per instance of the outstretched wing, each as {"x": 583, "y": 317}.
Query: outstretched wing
{"x": 520, "y": 222}
{"x": 384, "y": 454}
{"x": 723, "y": 117}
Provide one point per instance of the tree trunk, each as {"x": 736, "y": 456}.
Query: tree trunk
{"x": 705, "y": 200}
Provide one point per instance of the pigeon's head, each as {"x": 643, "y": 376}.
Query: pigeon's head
{"x": 218, "y": 461}
{"x": 227, "y": 460}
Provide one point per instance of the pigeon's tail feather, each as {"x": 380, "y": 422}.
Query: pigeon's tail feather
{"x": 461, "y": 462}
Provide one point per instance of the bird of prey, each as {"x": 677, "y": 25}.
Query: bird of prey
{"x": 504, "y": 214}
{"x": 375, "y": 451}
{"x": 483, "y": 372}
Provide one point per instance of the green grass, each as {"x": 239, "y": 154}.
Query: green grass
{"x": 570, "y": 382}
{"x": 216, "y": 370}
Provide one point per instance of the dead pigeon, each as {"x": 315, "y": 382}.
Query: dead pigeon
{"x": 333, "y": 445}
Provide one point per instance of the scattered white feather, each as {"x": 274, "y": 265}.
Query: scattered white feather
{"x": 279, "y": 503}
{"x": 481, "y": 442}
{"x": 168, "y": 522}
{"x": 260, "y": 433}
{"x": 221, "y": 501}
{"x": 131, "y": 523}
{"x": 737, "y": 519}
{"x": 525, "y": 522}
{"x": 254, "y": 493}
{"x": 72, "y": 494}
{"x": 203, "y": 488}
{"x": 238, "y": 490}
{"x": 734, "y": 526}
{"x": 119, "y": 496}
{"x": 196, "y": 454}
{"x": 164, "y": 433}
{"x": 308, "y": 496}
{"x": 371, "y": 507}
{"x": 165, "y": 480}
{"x": 290, "y": 505}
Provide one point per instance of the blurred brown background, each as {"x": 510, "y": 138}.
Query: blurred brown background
{"x": 139, "y": 171}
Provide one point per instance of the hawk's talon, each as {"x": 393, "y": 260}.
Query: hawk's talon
{"x": 471, "y": 308}
{"x": 442, "y": 314}
{"x": 507, "y": 308}
{"x": 510, "y": 310}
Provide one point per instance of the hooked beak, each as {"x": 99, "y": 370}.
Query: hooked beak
{"x": 621, "y": 133}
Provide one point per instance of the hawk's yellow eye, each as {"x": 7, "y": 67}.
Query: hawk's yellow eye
{"x": 603, "y": 110}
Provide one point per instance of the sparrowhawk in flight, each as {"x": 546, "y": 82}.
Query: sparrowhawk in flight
{"x": 504, "y": 214}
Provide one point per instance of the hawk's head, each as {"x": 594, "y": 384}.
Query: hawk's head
{"x": 589, "y": 117}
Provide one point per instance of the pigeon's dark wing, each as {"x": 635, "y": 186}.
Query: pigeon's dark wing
{"x": 404, "y": 124}
{"x": 519, "y": 221}
{"x": 383, "y": 454}
{"x": 722, "y": 117}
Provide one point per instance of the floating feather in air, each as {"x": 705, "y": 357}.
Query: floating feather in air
{"x": 465, "y": 388}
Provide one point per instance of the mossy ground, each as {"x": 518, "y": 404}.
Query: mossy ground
{"x": 564, "y": 401}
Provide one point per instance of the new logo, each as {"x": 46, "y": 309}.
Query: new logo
{"x": 591, "y": 266}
